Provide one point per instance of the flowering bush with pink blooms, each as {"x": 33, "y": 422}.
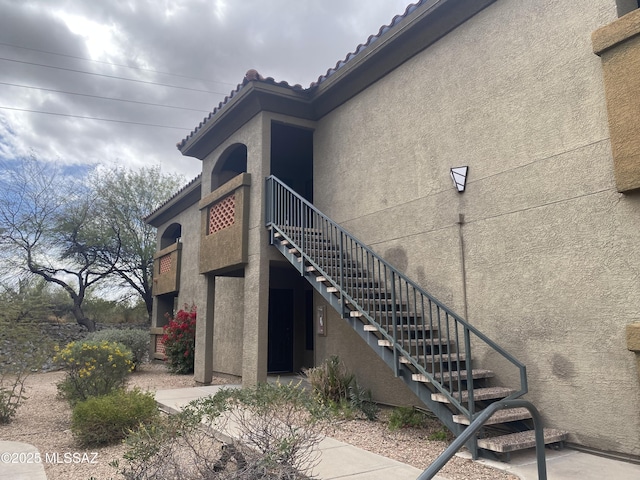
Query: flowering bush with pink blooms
{"x": 179, "y": 341}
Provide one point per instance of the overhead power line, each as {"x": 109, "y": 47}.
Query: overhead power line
{"x": 94, "y": 118}
{"x": 110, "y": 76}
{"x": 103, "y": 98}
{"x": 115, "y": 64}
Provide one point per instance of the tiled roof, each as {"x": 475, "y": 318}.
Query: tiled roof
{"x": 363, "y": 46}
{"x": 174, "y": 196}
{"x": 253, "y": 75}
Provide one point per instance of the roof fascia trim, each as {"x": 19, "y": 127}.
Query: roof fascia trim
{"x": 180, "y": 202}
{"x": 253, "y": 98}
{"x": 418, "y": 31}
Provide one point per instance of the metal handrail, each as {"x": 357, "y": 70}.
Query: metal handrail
{"x": 402, "y": 311}
{"x": 478, "y": 423}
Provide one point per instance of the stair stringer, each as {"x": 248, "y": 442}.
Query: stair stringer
{"x": 444, "y": 414}
{"x": 320, "y": 287}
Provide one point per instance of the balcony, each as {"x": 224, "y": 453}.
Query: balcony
{"x": 166, "y": 270}
{"x": 618, "y": 45}
{"x": 224, "y": 226}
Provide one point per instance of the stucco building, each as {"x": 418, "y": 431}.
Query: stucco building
{"x": 539, "y": 253}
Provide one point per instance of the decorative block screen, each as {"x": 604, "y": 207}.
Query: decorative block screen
{"x": 159, "y": 345}
{"x": 165, "y": 264}
{"x": 222, "y": 214}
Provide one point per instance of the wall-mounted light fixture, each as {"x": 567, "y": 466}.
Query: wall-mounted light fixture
{"x": 459, "y": 177}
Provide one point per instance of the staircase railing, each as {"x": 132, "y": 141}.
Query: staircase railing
{"x": 416, "y": 325}
{"x": 478, "y": 423}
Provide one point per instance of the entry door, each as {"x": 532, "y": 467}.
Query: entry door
{"x": 280, "y": 353}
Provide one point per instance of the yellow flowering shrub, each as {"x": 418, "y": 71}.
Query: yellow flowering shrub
{"x": 93, "y": 368}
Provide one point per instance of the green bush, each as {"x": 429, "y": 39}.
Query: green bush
{"x": 179, "y": 341}
{"x": 93, "y": 369}
{"x": 108, "y": 419}
{"x": 135, "y": 340}
{"x": 406, "y": 417}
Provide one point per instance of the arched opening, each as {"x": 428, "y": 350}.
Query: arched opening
{"x": 171, "y": 235}
{"x": 231, "y": 163}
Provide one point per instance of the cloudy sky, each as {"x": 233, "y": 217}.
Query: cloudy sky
{"x": 120, "y": 82}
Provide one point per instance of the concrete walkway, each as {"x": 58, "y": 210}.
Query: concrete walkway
{"x": 343, "y": 461}
{"x": 20, "y": 461}
{"x": 337, "y": 459}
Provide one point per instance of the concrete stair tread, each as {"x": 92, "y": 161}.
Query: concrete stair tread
{"x": 428, "y": 342}
{"x": 501, "y": 416}
{"x": 444, "y": 358}
{"x": 490, "y": 393}
{"x": 520, "y": 440}
{"x": 446, "y": 377}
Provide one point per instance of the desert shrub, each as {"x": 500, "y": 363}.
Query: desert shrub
{"x": 269, "y": 433}
{"x": 93, "y": 369}
{"x": 12, "y": 393}
{"x": 334, "y": 386}
{"x": 135, "y": 340}
{"x": 330, "y": 381}
{"x": 23, "y": 349}
{"x": 179, "y": 341}
{"x": 107, "y": 419}
{"x": 406, "y": 417}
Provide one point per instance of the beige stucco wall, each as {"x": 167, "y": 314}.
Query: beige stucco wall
{"x": 371, "y": 372}
{"x": 191, "y": 284}
{"x": 228, "y": 326}
{"x": 551, "y": 249}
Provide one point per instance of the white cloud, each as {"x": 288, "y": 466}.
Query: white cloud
{"x": 213, "y": 42}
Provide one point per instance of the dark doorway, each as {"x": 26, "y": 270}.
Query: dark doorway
{"x": 292, "y": 157}
{"x": 280, "y": 350}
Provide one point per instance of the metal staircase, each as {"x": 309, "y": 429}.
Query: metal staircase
{"x": 427, "y": 345}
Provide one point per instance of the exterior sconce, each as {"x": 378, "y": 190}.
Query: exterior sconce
{"x": 459, "y": 177}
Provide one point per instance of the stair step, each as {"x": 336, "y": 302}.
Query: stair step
{"x": 444, "y": 358}
{"x": 370, "y": 328}
{"x": 416, "y": 328}
{"x": 428, "y": 342}
{"x": 491, "y": 393}
{"x": 501, "y": 416}
{"x": 446, "y": 377}
{"x": 520, "y": 440}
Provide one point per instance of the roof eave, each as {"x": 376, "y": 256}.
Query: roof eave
{"x": 414, "y": 33}
{"x": 251, "y": 99}
{"x": 189, "y": 195}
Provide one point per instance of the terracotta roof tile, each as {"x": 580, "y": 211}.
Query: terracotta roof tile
{"x": 253, "y": 75}
{"x": 175, "y": 195}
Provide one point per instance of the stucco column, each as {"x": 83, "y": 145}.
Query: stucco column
{"x": 204, "y": 335}
{"x": 256, "y": 318}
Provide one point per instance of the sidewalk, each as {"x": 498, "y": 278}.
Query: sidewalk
{"x": 340, "y": 460}
{"x": 337, "y": 459}
{"x": 19, "y": 461}
{"x": 343, "y": 461}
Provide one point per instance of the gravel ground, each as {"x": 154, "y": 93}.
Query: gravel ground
{"x": 44, "y": 421}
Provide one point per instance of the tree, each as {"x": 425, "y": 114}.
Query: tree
{"x": 125, "y": 197}
{"x": 48, "y": 228}
{"x": 25, "y": 300}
